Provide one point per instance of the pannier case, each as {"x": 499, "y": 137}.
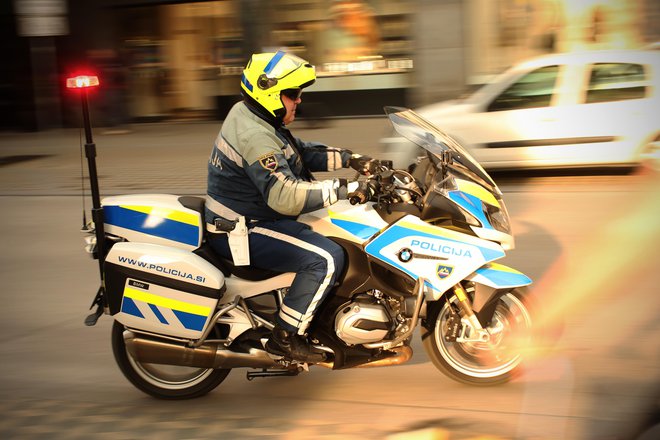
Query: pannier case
{"x": 154, "y": 218}
{"x": 161, "y": 289}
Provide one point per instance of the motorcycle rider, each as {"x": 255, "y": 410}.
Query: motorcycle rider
{"x": 259, "y": 170}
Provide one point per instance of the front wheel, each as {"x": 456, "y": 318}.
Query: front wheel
{"x": 481, "y": 362}
{"x": 164, "y": 381}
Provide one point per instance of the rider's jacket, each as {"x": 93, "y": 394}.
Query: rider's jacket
{"x": 259, "y": 170}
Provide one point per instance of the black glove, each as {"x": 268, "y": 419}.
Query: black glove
{"x": 362, "y": 194}
{"x": 364, "y": 165}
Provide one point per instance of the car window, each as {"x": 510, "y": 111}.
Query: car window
{"x": 534, "y": 89}
{"x": 616, "y": 82}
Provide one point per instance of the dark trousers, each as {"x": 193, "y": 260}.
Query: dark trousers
{"x": 289, "y": 246}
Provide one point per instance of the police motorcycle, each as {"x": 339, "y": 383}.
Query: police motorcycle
{"x": 421, "y": 246}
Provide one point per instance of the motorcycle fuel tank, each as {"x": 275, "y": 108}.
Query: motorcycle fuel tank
{"x": 356, "y": 223}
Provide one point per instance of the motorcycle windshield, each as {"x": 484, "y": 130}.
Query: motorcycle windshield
{"x": 426, "y": 135}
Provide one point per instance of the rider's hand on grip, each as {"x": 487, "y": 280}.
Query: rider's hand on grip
{"x": 364, "y": 165}
{"x": 362, "y": 194}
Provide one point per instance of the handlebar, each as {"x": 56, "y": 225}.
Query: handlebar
{"x": 360, "y": 195}
{"x": 386, "y": 185}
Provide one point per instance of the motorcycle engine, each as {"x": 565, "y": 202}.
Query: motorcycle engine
{"x": 363, "y": 320}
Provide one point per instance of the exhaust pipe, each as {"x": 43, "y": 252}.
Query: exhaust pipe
{"x": 212, "y": 355}
{"x": 403, "y": 355}
{"x": 208, "y": 355}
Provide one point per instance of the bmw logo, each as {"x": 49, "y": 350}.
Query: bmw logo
{"x": 405, "y": 255}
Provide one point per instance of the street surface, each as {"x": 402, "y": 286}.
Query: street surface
{"x": 590, "y": 242}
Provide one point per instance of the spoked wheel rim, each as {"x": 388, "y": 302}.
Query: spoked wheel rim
{"x": 170, "y": 377}
{"x": 511, "y": 325}
{"x": 160, "y": 380}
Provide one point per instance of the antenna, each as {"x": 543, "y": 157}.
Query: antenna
{"x": 82, "y": 185}
{"x": 82, "y": 83}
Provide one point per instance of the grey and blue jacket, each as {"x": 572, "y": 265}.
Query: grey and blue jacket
{"x": 257, "y": 169}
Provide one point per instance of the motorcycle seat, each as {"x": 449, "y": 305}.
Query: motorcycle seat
{"x": 226, "y": 266}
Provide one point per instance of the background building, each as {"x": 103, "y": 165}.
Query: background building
{"x": 161, "y": 59}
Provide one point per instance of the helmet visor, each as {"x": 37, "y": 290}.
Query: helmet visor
{"x": 282, "y": 64}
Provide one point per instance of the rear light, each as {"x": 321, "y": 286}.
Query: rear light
{"x": 82, "y": 82}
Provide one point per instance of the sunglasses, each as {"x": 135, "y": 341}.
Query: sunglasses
{"x": 293, "y": 94}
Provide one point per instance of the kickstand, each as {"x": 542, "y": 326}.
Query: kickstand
{"x": 91, "y": 319}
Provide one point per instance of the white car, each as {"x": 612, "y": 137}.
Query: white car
{"x": 598, "y": 108}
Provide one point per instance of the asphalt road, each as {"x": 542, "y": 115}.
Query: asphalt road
{"x": 589, "y": 242}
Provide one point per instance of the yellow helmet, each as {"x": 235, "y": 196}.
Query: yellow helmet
{"x": 267, "y": 74}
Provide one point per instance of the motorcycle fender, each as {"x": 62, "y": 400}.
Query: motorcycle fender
{"x": 499, "y": 276}
{"x": 488, "y": 280}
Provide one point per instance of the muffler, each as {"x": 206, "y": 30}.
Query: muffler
{"x": 403, "y": 355}
{"x": 209, "y": 355}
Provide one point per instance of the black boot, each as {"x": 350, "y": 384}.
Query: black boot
{"x": 290, "y": 344}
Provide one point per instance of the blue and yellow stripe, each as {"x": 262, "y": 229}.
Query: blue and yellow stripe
{"x": 470, "y": 196}
{"x": 191, "y": 316}
{"x": 478, "y": 191}
{"x": 352, "y": 225}
{"x": 408, "y": 229}
{"x": 167, "y": 223}
{"x": 503, "y": 276}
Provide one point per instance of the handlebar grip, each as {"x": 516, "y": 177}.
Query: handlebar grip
{"x": 360, "y": 195}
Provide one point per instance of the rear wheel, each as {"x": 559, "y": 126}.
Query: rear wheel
{"x": 481, "y": 362}
{"x": 164, "y": 381}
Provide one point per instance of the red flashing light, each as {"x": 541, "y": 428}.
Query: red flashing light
{"x": 82, "y": 82}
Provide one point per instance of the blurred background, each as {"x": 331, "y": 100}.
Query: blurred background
{"x": 169, "y": 72}
{"x": 162, "y": 59}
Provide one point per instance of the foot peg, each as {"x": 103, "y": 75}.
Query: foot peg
{"x": 271, "y": 373}
{"x": 293, "y": 346}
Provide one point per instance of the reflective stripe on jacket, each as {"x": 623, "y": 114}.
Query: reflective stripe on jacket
{"x": 263, "y": 173}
